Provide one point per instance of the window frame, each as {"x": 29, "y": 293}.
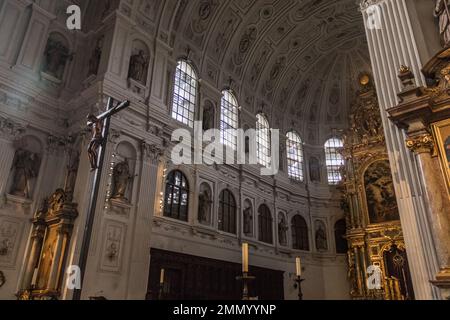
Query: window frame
{"x": 334, "y": 161}
{"x": 299, "y": 233}
{"x": 295, "y": 160}
{"x": 229, "y": 123}
{"x": 169, "y": 195}
{"x": 227, "y": 212}
{"x": 184, "y": 91}
{"x": 263, "y": 140}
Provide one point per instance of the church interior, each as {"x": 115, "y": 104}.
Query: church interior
{"x": 348, "y": 99}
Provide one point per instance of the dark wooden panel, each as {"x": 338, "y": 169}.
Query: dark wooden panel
{"x": 194, "y": 278}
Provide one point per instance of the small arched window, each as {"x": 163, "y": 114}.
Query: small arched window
{"x": 334, "y": 160}
{"x": 227, "y": 212}
{"x": 300, "y": 239}
{"x": 294, "y": 149}
{"x": 229, "y": 120}
{"x": 263, "y": 140}
{"x": 176, "y": 201}
{"x": 265, "y": 224}
{"x": 339, "y": 236}
{"x": 184, "y": 94}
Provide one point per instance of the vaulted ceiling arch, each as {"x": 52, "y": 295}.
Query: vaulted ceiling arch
{"x": 282, "y": 55}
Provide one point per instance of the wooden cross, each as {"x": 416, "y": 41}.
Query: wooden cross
{"x": 96, "y": 153}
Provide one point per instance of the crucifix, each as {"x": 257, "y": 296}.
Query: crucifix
{"x": 96, "y": 153}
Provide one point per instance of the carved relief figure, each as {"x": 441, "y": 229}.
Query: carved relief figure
{"x": 138, "y": 67}
{"x": 55, "y": 58}
{"x": 321, "y": 237}
{"x": 204, "y": 206}
{"x": 380, "y": 194}
{"x": 441, "y": 12}
{"x": 282, "y": 230}
{"x": 94, "y": 61}
{"x": 26, "y": 167}
{"x": 121, "y": 179}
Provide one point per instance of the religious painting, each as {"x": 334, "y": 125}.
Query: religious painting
{"x": 442, "y": 137}
{"x": 380, "y": 194}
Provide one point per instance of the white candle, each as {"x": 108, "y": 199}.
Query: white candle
{"x": 298, "y": 266}
{"x": 245, "y": 257}
{"x": 161, "y": 277}
{"x": 34, "y": 279}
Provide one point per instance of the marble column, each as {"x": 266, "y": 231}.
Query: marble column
{"x": 392, "y": 43}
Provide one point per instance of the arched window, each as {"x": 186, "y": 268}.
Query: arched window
{"x": 339, "y": 236}
{"x": 334, "y": 160}
{"x": 300, "y": 239}
{"x": 177, "y": 196}
{"x": 262, "y": 140}
{"x": 229, "y": 120}
{"x": 184, "y": 94}
{"x": 227, "y": 212}
{"x": 294, "y": 156}
{"x": 265, "y": 224}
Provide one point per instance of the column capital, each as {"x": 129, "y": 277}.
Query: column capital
{"x": 364, "y": 4}
{"x": 423, "y": 143}
{"x": 151, "y": 152}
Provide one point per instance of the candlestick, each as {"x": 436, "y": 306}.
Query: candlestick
{"x": 298, "y": 266}
{"x": 245, "y": 257}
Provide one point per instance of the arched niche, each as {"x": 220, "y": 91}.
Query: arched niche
{"x": 139, "y": 62}
{"x": 56, "y": 58}
{"x": 25, "y": 167}
{"x": 205, "y": 204}
{"x": 123, "y": 168}
{"x": 320, "y": 236}
{"x": 248, "y": 218}
{"x": 282, "y": 229}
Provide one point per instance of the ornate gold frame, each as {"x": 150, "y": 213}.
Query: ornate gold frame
{"x": 436, "y": 128}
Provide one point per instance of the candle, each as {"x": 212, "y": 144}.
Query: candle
{"x": 34, "y": 279}
{"x": 161, "y": 277}
{"x": 245, "y": 257}
{"x": 298, "y": 266}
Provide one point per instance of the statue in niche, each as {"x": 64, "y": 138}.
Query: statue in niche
{"x": 314, "y": 169}
{"x": 248, "y": 221}
{"x": 380, "y": 193}
{"x": 321, "y": 238}
{"x": 26, "y": 167}
{"x": 138, "y": 67}
{"x": 56, "y": 55}
{"x": 94, "y": 61}
{"x": 121, "y": 179}
{"x": 282, "y": 230}
{"x": 208, "y": 117}
{"x": 204, "y": 206}
{"x": 442, "y": 12}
